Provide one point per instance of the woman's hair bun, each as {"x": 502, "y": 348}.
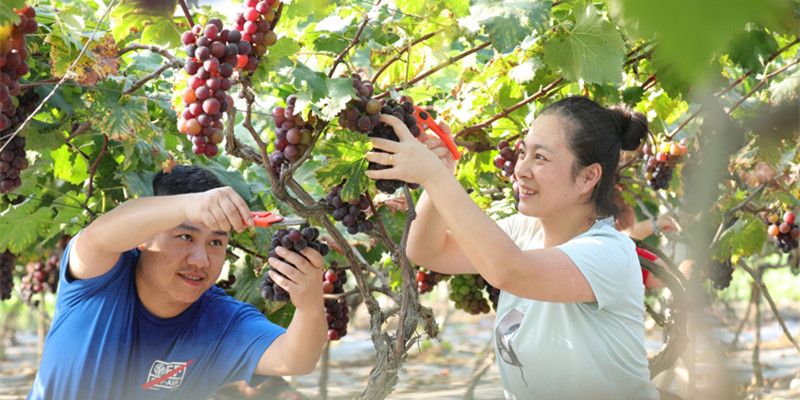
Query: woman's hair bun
{"x": 633, "y": 127}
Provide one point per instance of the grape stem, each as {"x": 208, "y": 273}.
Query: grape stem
{"x": 186, "y": 13}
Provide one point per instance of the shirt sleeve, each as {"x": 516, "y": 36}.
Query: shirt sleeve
{"x": 72, "y": 291}
{"x": 604, "y": 260}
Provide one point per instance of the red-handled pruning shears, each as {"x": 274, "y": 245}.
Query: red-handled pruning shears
{"x": 265, "y": 219}
{"x": 424, "y": 120}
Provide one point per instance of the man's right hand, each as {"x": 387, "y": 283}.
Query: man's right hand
{"x": 220, "y": 209}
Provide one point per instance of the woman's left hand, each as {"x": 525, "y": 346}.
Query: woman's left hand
{"x": 408, "y": 160}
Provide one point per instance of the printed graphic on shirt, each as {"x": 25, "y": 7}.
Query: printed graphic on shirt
{"x": 504, "y": 336}
{"x": 166, "y": 375}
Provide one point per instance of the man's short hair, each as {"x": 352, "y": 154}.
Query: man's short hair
{"x": 184, "y": 179}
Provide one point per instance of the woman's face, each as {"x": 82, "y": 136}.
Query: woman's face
{"x": 544, "y": 169}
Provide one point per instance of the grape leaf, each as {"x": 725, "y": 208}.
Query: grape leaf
{"x": 162, "y": 31}
{"x": 345, "y": 151}
{"x": 139, "y": 183}
{"x": 745, "y": 237}
{"x": 509, "y": 22}
{"x": 752, "y": 48}
{"x": 303, "y": 78}
{"x": 121, "y": 116}
{"x": 7, "y": 14}
{"x": 69, "y": 165}
{"x": 592, "y": 49}
{"x": 246, "y": 287}
{"x": 787, "y": 89}
{"x": 154, "y": 21}
{"x": 340, "y": 91}
{"x": 705, "y": 27}
{"x": 21, "y": 225}
{"x": 98, "y": 62}
{"x": 233, "y": 179}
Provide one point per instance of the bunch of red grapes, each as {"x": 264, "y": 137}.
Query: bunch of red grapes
{"x": 466, "y": 292}
{"x": 293, "y": 134}
{"x": 7, "y": 262}
{"x": 426, "y": 280}
{"x": 363, "y": 113}
{"x": 41, "y": 276}
{"x": 336, "y": 310}
{"x": 256, "y": 25}
{"x": 13, "y": 111}
{"x": 506, "y": 159}
{"x": 351, "y": 213}
{"x": 784, "y": 230}
{"x": 402, "y": 109}
{"x": 295, "y": 240}
{"x": 226, "y": 283}
{"x": 660, "y": 161}
{"x": 212, "y": 54}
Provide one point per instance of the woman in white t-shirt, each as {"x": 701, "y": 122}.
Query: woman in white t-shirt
{"x": 570, "y": 314}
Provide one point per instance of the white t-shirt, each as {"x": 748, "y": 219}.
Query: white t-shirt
{"x": 577, "y": 350}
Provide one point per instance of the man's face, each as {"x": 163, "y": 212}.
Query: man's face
{"x": 177, "y": 266}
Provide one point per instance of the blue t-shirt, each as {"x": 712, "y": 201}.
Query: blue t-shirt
{"x": 104, "y": 344}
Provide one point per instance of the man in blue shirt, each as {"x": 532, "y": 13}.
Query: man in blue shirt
{"x": 137, "y": 313}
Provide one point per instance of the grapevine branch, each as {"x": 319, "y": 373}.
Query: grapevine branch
{"x": 761, "y": 83}
{"x": 63, "y": 78}
{"x": 92, "y": 171}
{"x": 403, "y": 50}
{"x": 771, "y": 302}
{"x": 731, "y": 86}
{"x": 435, "y": 69}
{"x": 352, "y": 43}
{"x": 542, "y": 92}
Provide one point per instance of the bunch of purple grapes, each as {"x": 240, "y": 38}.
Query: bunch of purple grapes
{"x": 12, "y": 156}
{"x": 212, "y": 54}
{"x": 506, "y": 160}
{"x": 350, "y": 213}
{"x": 295, "y": 240}
{"x": 41, "y": 276}
{"x": 402, "y": 109}
{"x": 427, "y": 280}
{"x": 720, "y": 274}
{"x": 293, "y": 134}
{"x": 13, "y": 64}
{"x": 336, "y": 310}
{"x": 361, "y": 114}
{"x": 256, "y": 24}
{"x": 7, "y": 263}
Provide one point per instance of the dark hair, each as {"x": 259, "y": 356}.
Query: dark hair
{"x": 184, "y": 179}
{"x": 596, "y": 135}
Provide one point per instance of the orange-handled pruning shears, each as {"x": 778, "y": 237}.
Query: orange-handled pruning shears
{"x": 265, "y": 219}
{"x": 424, "y": 120}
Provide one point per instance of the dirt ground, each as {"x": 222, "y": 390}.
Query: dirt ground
{"x": 442, "y": 369}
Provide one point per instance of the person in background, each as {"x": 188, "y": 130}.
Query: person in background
{"x": 137, "y": 315}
